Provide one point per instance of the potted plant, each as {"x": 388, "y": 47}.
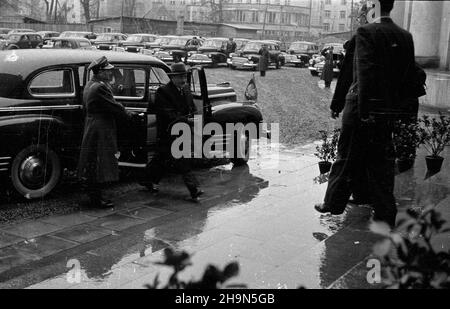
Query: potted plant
{"x": 327, "y": 150}
{"x": 406, "y": 140}
{"x": 434, "y": 134}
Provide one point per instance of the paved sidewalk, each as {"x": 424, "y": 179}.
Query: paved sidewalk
{"x": 261, "y": 216}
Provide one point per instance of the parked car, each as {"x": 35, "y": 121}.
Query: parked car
{"x": 41, "y": 112}
{"x": 303, "y": 52}
{"x": 22, "y": 41}
{"x": 248, "y": 57}
{"x": 181, "y": 46}
{"x": 4, "y": 33}
{"x": 317, "y": 63}
{"x": 211, "y": 53}
{"x": 136, "y": 42}
{"x": 79, "y": 34}
{"x": 106, "y": 41}
{"x": 71, "y": 43}
{"x": 47, "y": 36}
{"x": 160, "y": 41}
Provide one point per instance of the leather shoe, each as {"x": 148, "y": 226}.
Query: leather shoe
{"x": 196, "y": 195}
{"x": 323, "y": 208}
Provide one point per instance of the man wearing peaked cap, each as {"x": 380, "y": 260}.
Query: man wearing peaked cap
{"x": 174, "y": 103}
{"x": 98, "y": 164}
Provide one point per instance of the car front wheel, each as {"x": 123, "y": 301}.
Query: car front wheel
{"x": 35, "y": 171}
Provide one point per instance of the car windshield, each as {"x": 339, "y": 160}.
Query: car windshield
{"x": 300, "y": 46}
{"x": 73, "y": 35}
{"x": 213, "y": 43}
{"x": 252, "y": 46}
{"x": 178, "y": 42}
{"x": 134, "y": 38}
{"x": 105, "y": 37}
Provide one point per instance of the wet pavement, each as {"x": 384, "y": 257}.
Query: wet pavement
{"x": 260, "y": 215}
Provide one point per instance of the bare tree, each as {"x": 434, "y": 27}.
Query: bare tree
{"x": 217, "y": 11}
{"x": 129, "y": 7}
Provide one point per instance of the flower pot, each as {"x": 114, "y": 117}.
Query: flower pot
{"x": 324, "y": 167}
{"x": 404, "y": 164}
{"x": 434, "y": 163}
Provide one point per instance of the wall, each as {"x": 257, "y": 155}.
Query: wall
{"x": 45, "y": 27}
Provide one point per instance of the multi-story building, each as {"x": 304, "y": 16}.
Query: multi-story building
{"x": 336, "y": 15}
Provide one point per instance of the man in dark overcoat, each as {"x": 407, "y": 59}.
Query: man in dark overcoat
{"x": 345, "y": 79}
{"x": 384, "y": 58}
{"x": 231, "y": 47}
{"x": 173, "y": 103}
{"x": 327, "y": 73}
{"x": 98, "y": 164}
{"x": 264, "y": 59}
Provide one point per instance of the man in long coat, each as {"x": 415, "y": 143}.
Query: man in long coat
{"x": 383, "y": 63}
{"x": 264, "y": 59}
{"x": 98, "y": 164}
{"x": 327, "y": 73}
{"x": 174, "y": 103}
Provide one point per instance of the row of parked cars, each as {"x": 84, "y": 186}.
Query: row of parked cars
{"x": 189, "y": 49}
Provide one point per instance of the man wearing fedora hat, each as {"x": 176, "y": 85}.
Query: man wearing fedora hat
{"x": 98, "y": 163}
{"x": 173, "y": 103}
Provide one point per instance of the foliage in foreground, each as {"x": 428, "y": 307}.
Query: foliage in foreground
{"x": 213, "y": 277}
{"x": 410, "y": 261}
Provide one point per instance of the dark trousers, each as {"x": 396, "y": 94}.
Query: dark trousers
{"x": 162, "y": 162}
{"x": 94, "y": 191}
{"x": 365, "y": 153}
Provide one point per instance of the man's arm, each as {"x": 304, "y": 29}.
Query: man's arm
{"x": 365, "y": 69}
{"x": 108, "y": 103}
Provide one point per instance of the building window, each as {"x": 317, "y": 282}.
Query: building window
{"x": 343, "y": 13}
{"x": 326, "y": 27}
{"x": 327, "y": 14}
{"x": 255, "y": 17}
{"x": 240, "y": 16}
{"x": 341, "y": 27}
{"x": 327, "y": 1}
{"x": 271, "y": 17}
{"x": 344, "y": 2}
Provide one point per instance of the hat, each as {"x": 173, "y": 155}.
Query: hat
{"x": 177, "y": 69}
{"x": 100, "y": 64}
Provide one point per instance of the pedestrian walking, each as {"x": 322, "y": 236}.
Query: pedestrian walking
{"x": 264, "y": 59}
{"x": 98, "y": 164}
{"x": 383, "y": 62}
{"x": 173, "y": 103}
{"x": 327, "y": 73}
{"x": 360, "y": 185}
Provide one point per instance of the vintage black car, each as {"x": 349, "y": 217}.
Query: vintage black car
{"x": 181, "y": 47}
{"x": 159, "y": 42}
{"x": 22, "y": 41}
{"x": 211, "y": 53}
{"x": 303, "y": 52}
{"x": 107, "y": 41}
{"x": 70, "y": 43}
{"x": 137, "y": 42}
{"x": 48, "y": 35}
{"x": 41, "y": 112}
{"x": 248, "y": 57}
{"x": 79, "y": 34}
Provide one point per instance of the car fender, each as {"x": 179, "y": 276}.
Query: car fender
{"x": 20, "y": 131}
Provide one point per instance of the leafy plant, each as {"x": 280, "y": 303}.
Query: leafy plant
{"x": 327, "y": 150}
{"x": 406, "y": 139}
{"x": 434, "y": 133}
{"x": 213, "y": 278}
{"x": 410, "y": 261}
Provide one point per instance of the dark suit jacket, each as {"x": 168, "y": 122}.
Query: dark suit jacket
{"x": 170, "y": 106}
{"x": 345, "y": 78}
{"x": 383, "y": 65}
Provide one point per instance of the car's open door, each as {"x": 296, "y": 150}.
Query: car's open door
{"x": 199, "y": 90}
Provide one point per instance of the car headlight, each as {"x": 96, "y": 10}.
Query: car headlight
{"x": 170, "y": 52}
{"x": 251, "y": 62}
{"x": 249, "y": 58}
{"x": 210, "y": 56}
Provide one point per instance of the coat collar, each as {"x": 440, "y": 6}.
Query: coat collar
{"x": 383, "y": 19}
